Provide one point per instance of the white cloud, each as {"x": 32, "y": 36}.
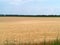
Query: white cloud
{"x": 17, "y": 2}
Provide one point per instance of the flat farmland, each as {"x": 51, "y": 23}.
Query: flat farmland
{"x": 29, "y": 29}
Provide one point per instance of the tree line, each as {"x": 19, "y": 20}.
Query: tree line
{"x": 2, "y": 15}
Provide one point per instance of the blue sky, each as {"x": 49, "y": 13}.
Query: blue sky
{"x": 30, "y": 7}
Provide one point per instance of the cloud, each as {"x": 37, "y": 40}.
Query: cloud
{"x": 15, "y": 1}
{"x": 18, "y": 2}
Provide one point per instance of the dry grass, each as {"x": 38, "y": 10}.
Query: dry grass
{"x": 29, "y": 29}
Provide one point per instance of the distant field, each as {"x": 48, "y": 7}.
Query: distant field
{"x": 29, "y": 29}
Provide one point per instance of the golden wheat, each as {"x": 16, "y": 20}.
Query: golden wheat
{"x": 29, "y": 29}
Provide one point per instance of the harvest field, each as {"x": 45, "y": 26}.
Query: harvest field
{"x": 29, "y": 29}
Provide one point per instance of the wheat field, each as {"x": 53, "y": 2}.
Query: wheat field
{"x": 29, "y": 29}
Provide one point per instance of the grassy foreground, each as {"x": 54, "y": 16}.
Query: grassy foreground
{"x": 55, "y": 42}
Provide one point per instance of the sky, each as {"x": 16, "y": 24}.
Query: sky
{"x": 30, "y": 7}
